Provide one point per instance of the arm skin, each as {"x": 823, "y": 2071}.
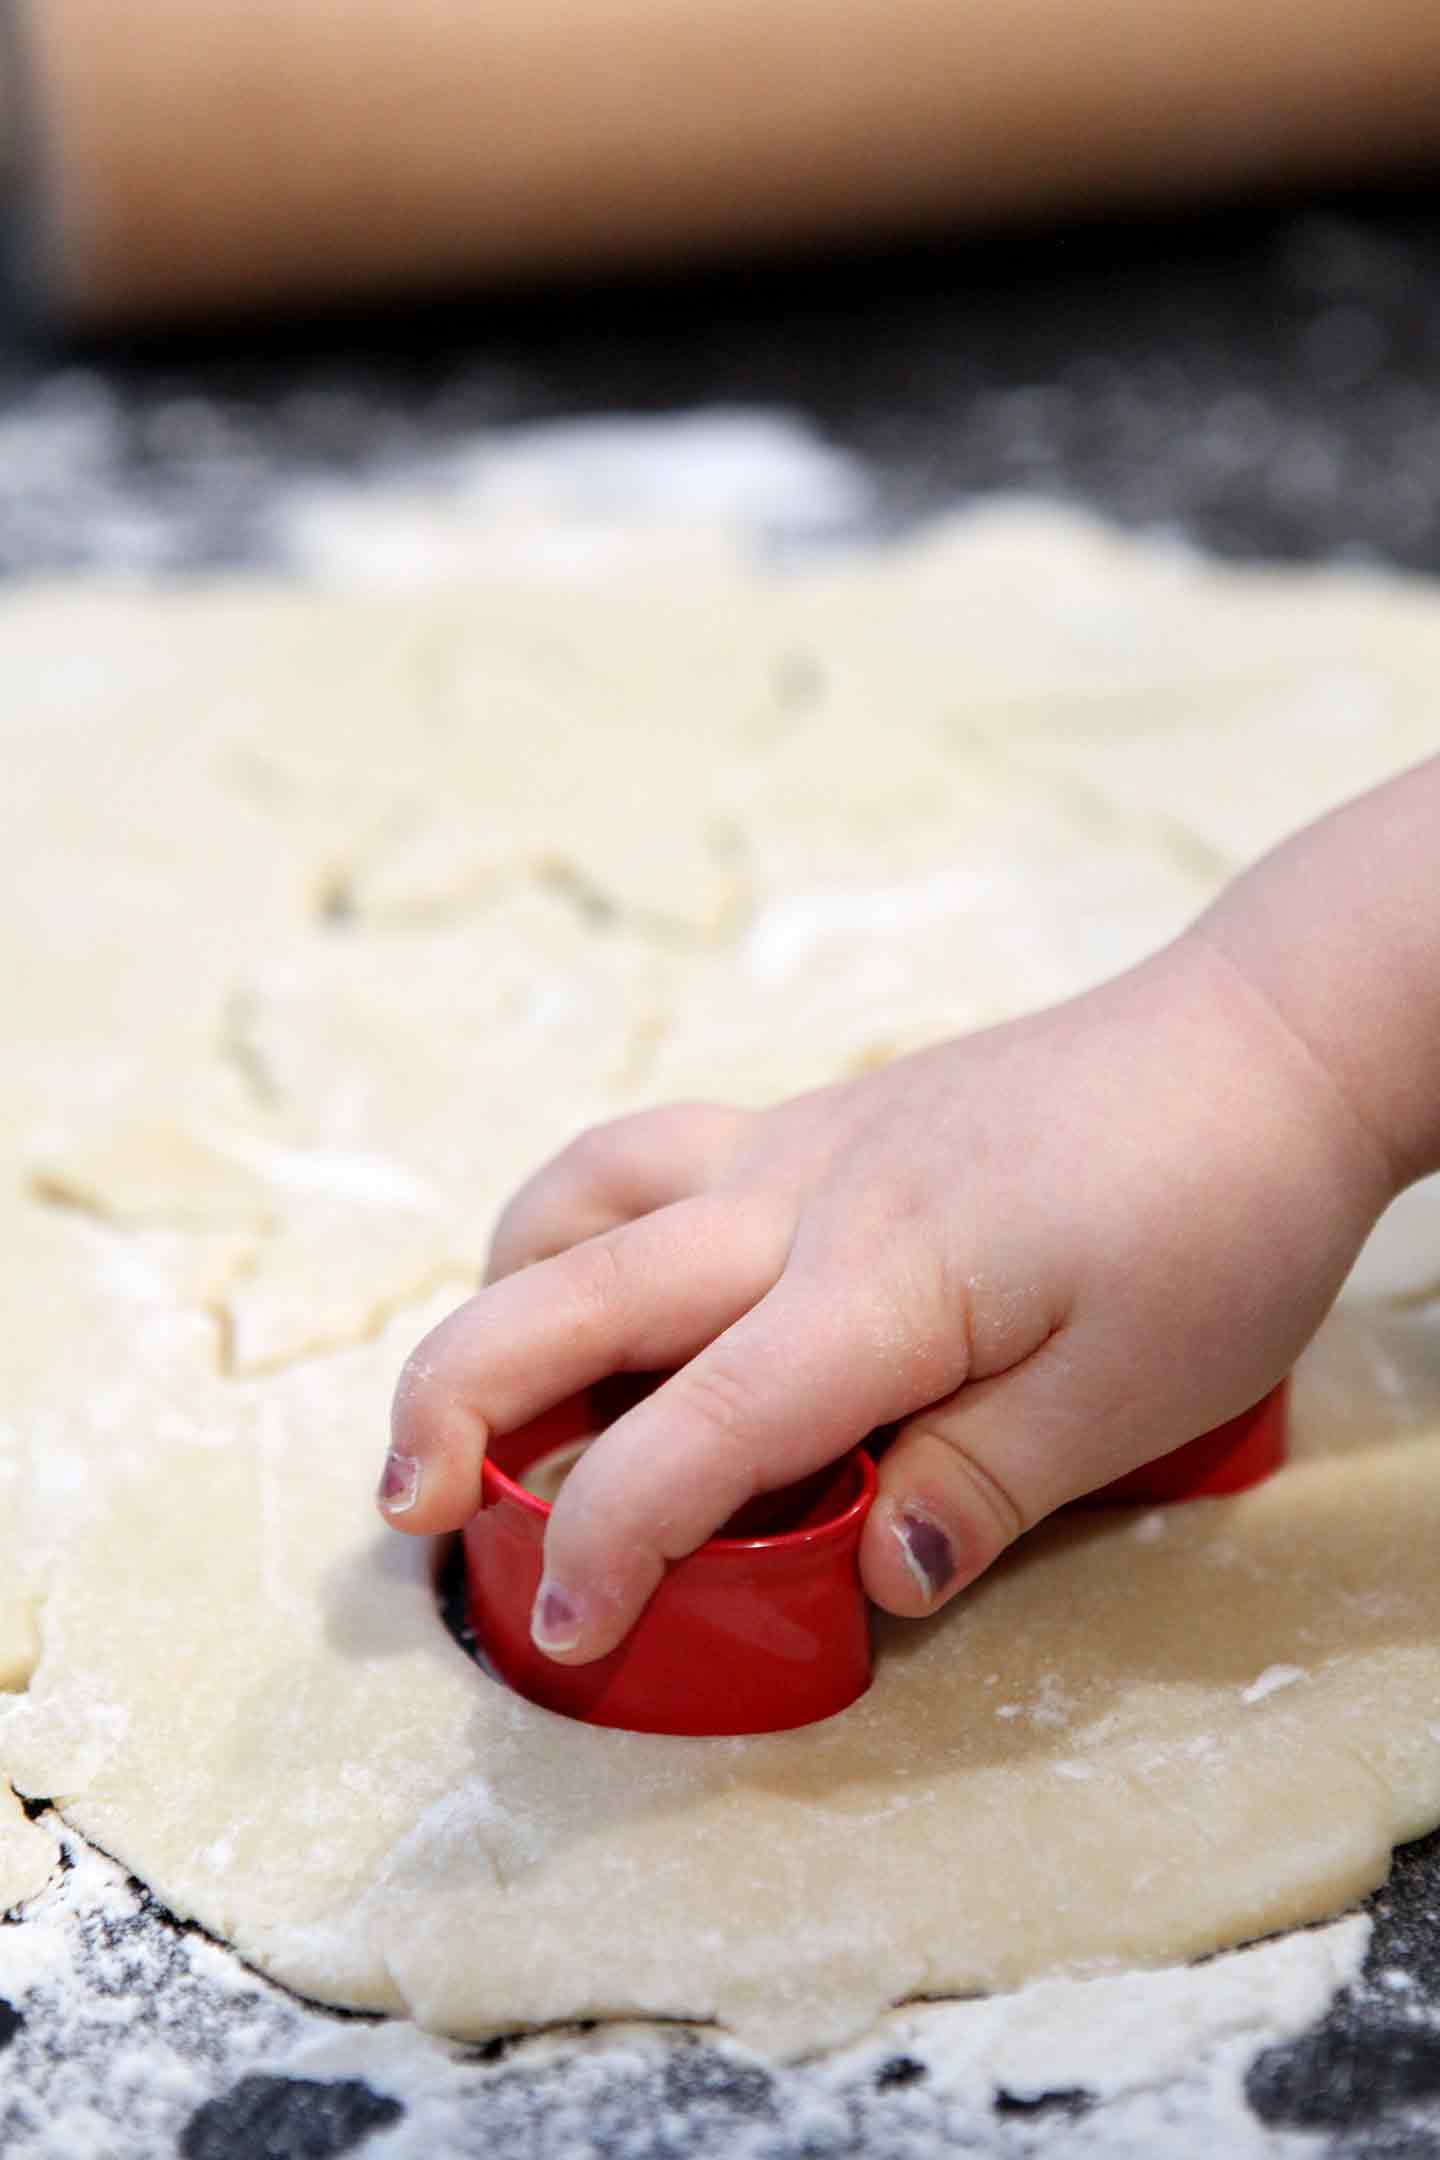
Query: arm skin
{"x": 1048, "y": 1251}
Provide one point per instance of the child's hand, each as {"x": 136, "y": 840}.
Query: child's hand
{"x": 1052, "y": 1251}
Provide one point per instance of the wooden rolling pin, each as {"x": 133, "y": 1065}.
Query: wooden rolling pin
{"x": 184, "y": 156}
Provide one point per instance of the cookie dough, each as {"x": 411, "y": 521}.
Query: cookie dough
{"x": 29, "y": 1853}
{"x": 331, "y": 917}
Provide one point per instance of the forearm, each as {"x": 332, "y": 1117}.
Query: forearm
{"x": 1338, "y": 930}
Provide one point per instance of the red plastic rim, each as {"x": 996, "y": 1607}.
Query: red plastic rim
{"x": 497, "y": 1484}
{"x": 755, "y": 1632}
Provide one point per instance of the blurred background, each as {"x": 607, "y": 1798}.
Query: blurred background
{"x": 1184, "y": 271}
{"x": 1263, "y": 378}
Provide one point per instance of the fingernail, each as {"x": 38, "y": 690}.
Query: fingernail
{"x": 927, "y": 1551}
{"x": 399, "y": 1483}
{"x": 555, "y": 1622}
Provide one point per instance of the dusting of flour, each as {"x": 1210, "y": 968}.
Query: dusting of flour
{"x": 133, "y": 2029}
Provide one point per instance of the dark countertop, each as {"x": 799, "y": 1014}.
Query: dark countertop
{"x": 1265, "y": 380}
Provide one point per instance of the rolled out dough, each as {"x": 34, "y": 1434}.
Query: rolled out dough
{"x": 28, "y": 1853}
{"x": 330, "y": 918}
{"x": 545, "y": 1477}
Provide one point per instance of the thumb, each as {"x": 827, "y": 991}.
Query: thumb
{"x": 966, "y": 1477}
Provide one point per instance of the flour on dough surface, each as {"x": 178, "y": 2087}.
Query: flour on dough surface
{"x": 336, "y": 916}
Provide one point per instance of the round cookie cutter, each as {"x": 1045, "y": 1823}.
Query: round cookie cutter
{"x": 766, "y": 1626}
{"x": 1225, "y": 1460}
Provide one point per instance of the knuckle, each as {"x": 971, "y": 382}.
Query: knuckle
{"x": 514, "y": 1224}
{"x": 980, "y": 1483}
{"x": 716, "y": 1126}
{"x": 914, "y": 1315}
{"x": 589, "y": 1157}
{"x": 718, "y": 1394}
{"x": 534, "y": 1221}
{"x": 951, "y": 1280}
{"x": 597, "y": 1283}
{"x": 939, "y": 1305}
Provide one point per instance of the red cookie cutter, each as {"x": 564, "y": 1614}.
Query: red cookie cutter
{"x": 1239, "y": 1453}
{"x": 766, "y": 1626}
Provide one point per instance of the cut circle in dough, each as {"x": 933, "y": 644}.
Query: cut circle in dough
{"x": 545, "y": 1476}
{"x": 1140, "y": 1737}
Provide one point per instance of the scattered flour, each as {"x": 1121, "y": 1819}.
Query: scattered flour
{"x": 574, "y": 498}
{"x": 131, "y": 2024}
{"x": 1271, "y": 1681}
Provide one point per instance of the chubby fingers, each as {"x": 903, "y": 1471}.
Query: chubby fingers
{"x": 803, "y": 1376}
{"x": 643, "y": 1297}
{"x": 610, "y": 1175}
